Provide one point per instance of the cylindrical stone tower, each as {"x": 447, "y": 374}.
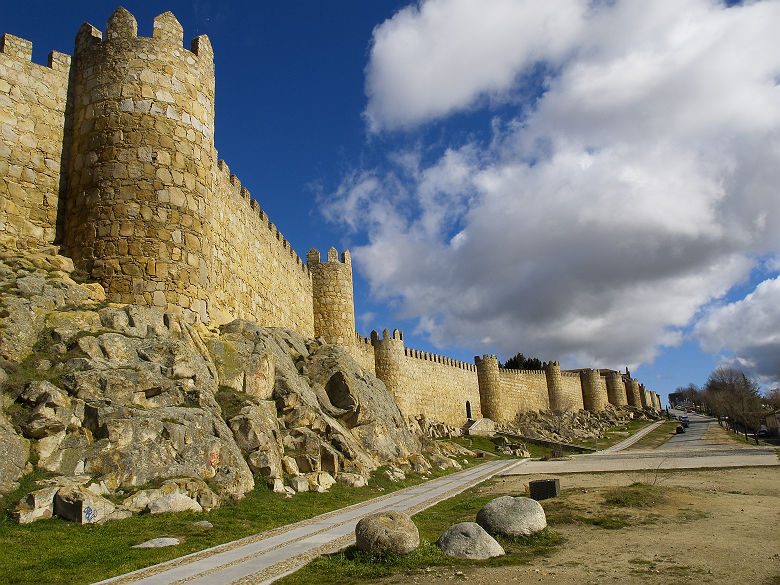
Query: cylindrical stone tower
{"x": 552, "y": 371}
{"x": 489, "y": 380}
{"x": 388, "y": 360}
{"x": 332, "y": 297}
{"x": 616, "y": 389}
{"x": 644, "y": 396}
{"x": 633, "y": 393}
{"x": 141, "y": 163}
{"x": 594, "y": 396}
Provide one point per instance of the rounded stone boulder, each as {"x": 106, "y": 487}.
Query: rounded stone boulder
{"x": 390, "y": 531}
{"x": 509, "y": 516}
{"x": 468, "y": 540}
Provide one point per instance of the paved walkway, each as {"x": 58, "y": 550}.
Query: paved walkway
{"x": 686, "y": 451}
{"x": 262, "y": 558}
{"x": 632, "y": 439}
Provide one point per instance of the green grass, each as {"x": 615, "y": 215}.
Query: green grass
{"x": 637, "y": 495}
{"x": 475, "y": 443}
{"x": 560, "y": 511}
{"x": 55, "y": 551}
{"x": 610, "y": 438}
{"x": 657, "y": 436}
{"x": 352, "y": 566}
{"x": 230, "y": 401}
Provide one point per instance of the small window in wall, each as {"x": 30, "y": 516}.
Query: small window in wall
{"x": 468, "y": 410}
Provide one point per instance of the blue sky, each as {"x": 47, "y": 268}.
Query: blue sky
{"x": 593, "y": 182}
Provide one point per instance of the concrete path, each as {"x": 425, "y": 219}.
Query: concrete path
{"x": 651, "y": 460}
{"x": 262, "y": 558}
{"x": 686, "y": 451}
{"x": 632, "y": 439}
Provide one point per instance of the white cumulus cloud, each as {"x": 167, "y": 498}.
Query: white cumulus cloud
{"x": 749, "y": 329}
{"x": 597, "y": 220}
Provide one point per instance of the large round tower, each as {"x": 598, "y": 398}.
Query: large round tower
{"x": 489, "y": 380}
{"x": 594, "y": 395}
{"x": 632, "y": 393}
{"x": 141, "y": 163}
{"x": 332, "y": 297}
{"x": 616, "y": 389}
{"x": 388, "y": 359}
{"x": 552, "y": 371}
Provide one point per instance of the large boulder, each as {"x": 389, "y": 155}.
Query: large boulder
{"x": 390, "y": 531}
{"x": 509, "y": 516}
{"x": 468, "y": 540}
{"x": 173, "y": 503}
{"x": 79, "y": 504}
{"x": 14, "y": 451}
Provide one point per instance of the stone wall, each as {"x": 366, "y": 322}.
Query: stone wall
{"x": 440, "y": 388}
{"x": 363, "y": 353}
{"x": 33, "y": 100}
{"x": 422, "y": 383}
{"x": 522, "y": 391}
{"x": 572, "y": 390}
{"x": 255, "y": 274}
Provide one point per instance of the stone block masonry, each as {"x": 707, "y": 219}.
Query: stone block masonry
{"x": 33, "y": 101}
{"x": 111, "y": 155}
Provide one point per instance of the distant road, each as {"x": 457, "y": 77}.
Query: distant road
{"x": 686, "y": 451}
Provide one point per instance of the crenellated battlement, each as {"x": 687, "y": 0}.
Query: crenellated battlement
{"x": 439, "y": 359}
{"x": 122, "y": 26}
{"x": 20, "y": 49}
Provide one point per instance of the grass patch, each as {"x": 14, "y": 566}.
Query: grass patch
{"x": 352, "y": 566}
{"x": 475, "y": 443}
{"x": 614, "y": 435}
{"x": 230, "y": 401}
{"x": 572, "y": 507}
{"x": 560, "y": 511}
{"x": 657, "y": 436}
{"x": 637, "y": 495}
{"x": 56, "y": 551}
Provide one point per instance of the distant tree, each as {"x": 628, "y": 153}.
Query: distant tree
{"x": 520, "y": 362}
{"x": 730, "y": 393}
{"x": 684, "y": 394}
{"x": 772, "y": 399}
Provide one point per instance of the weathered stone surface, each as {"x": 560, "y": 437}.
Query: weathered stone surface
{"x": 51, "y": 413}
{"x": 468, "y": 540}
{"x": 300, "y": 483}
{"x": 509, "y": 516}
{"x": 78, "y": 504}
{"x": 14, "y": 451}
{"x": 173, "y": 503}
{"x": 137, "y": 402}
{"x": 36, "y": 505}
{"x": 322, "y": 479}
{"x": 352, "y": 480}
{"x": 390, "y": 531}
{"x": 158, "y": 542}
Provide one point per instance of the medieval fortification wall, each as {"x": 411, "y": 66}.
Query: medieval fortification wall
{"x": 110, "y": 154}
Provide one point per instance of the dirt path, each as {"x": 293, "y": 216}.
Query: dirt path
{"x": 715, "y": 526}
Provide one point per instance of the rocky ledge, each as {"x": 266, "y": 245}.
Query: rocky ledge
{"x": 127, "y": 409}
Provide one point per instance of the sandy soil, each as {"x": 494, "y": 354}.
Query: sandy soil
{"x": 716, "y": 526}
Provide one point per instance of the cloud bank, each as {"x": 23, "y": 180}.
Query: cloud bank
{"x": 605, "y": 212}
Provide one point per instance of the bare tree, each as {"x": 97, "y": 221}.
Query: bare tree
{"x": 730, "y": 393}
{"x": 772, "y": 399}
